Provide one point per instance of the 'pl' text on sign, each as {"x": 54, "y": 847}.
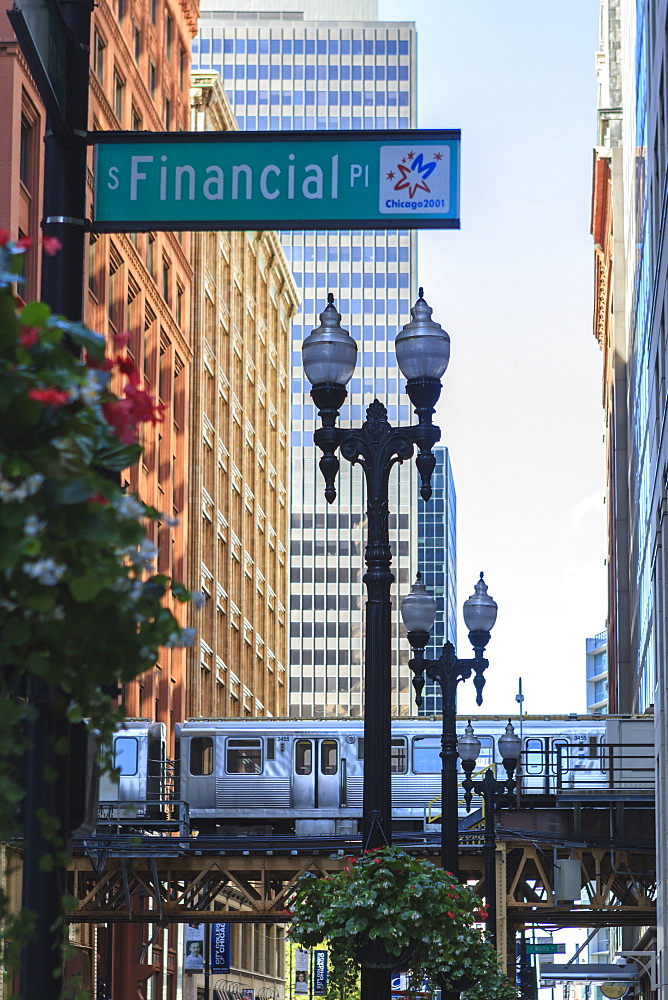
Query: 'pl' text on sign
{"x": 269, "y": 180}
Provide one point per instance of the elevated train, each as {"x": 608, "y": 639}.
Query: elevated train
{"x": 305, "y": 776}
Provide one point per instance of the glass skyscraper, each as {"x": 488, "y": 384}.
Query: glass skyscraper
{"x": 437, "y": 561}
{"x": 331, "y": 65}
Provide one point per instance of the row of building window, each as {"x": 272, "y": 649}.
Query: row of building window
{"x": 320, "y": 72}
{"x": 303, "y": 46}
{"x": 341, "y": 521}
{"x": 331, "y": 98}
{"x": 357, "y": 306}
{"x": 342, "y": 254}
{"x": 253, "y": 123}
{"x": 356, "y": 279}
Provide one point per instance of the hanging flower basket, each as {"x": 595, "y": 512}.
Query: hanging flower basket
{"x": 390, "y": 910}
{"x": 374, "y": 955}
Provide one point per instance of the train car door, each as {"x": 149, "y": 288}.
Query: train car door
{"x": 315, "y": 773}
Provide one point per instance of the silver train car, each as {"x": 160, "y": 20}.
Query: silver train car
{"x": 305, "y": 777}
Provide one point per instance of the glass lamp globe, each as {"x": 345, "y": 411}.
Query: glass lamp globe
{"x": 510, "y": 745}
{"x": 329, "y": 353}
{"x": 480, "y": 609}
{"x": 422, "y": 346}
{"x": 418, "y": 609}
{"x": 468, "y": 745}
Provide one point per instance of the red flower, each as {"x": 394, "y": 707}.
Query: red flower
{"x": 122, "y": 339}
{"x": 98, "y": 498}
{"x": 49, "y": 397}
{"x": 51, "y": 245}
{"x": 24, "y": 242}
{"x": 29, "y": 336}
{"x": 105, "y": 365}
{"x": 451, "y": 915}
{"x": 129, "y": 368}
{"x": 144, "y": 405}
{"x": 118, "y": 414}
{"x": 4, "y": 237}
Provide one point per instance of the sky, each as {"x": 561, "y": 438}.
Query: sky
{"x": 521, "y": 405}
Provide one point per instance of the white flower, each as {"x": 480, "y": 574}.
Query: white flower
{"x": 46, "y": 571}
{"x": 198, "y": 599}
{"x": 11, "y": 492}
{"x": 136, "y": 590}
{"x": 32, "y": 525}
{"x": 145, "y": 554}
{"x": 171, "y": 522}
{"x": 130, "y": 507}
{"x": 178, "y": 640}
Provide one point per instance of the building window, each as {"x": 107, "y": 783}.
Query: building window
{"x": 169, "y": 35}
{"x": 150, "y": 254}
{"x": 154, "y": 11}
{"x": 168, "y": 113}
{"x": 99, "y": 46}
{"x": 136, "y": 120}
{"x": 26, "y": 151}
{"x": 115, "y": 299}
{"x": 152, "y": 78}
{"x": 179, "y": 304}
{"x": 182, "y": 67}
{"x": 166, "y": 283}
{"x": 119, "y": 87}
{"x": 93, "y": 269}
{"x": 136, "y": 36}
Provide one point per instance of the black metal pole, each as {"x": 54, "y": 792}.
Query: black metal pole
{"x": 489, "y": 796}
{"x": 449, "y": 797}
{"x": 62, "y": 288}
{"x": 65, "y": 166}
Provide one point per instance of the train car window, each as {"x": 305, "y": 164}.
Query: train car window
{"x": 271, "y": 751}
{"x": 533, "y": 756}
{"x": 329, "y": 757}
{"x": 126, "y": 755}
{"x": 303, "y": 757}
{"x": 399, "y": 756}
{"x": 593, "y": 746}
{"x": 360, "y": 748}
{"x": 244, "y": 756}
{"x": 201, "y": 755}
{"x": 426, "y": 754}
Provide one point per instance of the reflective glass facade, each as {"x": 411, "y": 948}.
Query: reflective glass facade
{"x": 437, "y": 547}
{"x": 283, "y": 71}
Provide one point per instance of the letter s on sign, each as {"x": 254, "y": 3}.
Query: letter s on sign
{"x": 112, "y": 183}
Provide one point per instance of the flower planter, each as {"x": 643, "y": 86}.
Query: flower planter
{"x": 374, "y": 955}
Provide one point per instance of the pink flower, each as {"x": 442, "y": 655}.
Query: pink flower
{"x": 51, "y": 245}
{"x": 122, "y": 339}
{"x": 29, "y": 336}
{"x": 24, "y": 243}
{"x": 49, "y": 397}
{"x": 451, "y": 915}
{"x": 98, "y": 498}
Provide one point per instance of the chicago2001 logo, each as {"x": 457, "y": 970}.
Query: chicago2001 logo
{"x": 414, "y": 179}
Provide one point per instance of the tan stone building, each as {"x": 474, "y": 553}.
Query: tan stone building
{"x": 244, "y": 298}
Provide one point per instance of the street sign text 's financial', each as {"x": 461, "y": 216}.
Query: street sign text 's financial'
{"x": 276, "y": 180}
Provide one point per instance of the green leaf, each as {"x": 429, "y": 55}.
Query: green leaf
{"x": 117, "y": 457}
{"x": 85, "y": 588}
{"x": 82, "y": 336}
{"x": 35, "y": 314}
{"x": 41, "y": 602}
{"x": 74, "y": 491}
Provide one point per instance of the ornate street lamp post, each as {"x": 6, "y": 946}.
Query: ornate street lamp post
{"x": 329, "y": 355}
{"x": 495, "y": 793}
{"x": 418, "y": 610}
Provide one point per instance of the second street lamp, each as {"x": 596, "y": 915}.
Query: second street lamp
{"x": 418, "y": 610}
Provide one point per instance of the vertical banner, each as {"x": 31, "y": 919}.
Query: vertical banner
{"x": 319, "y": 973}
{"x": 193, "y": 948}
{"x": 220, "y": 948}
{"x": 301, "y": 972}
{"x": 248, "y": 994}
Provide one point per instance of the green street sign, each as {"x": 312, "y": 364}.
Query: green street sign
{"x": 550, "y": 948}
{"x": 276, "y": 180}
